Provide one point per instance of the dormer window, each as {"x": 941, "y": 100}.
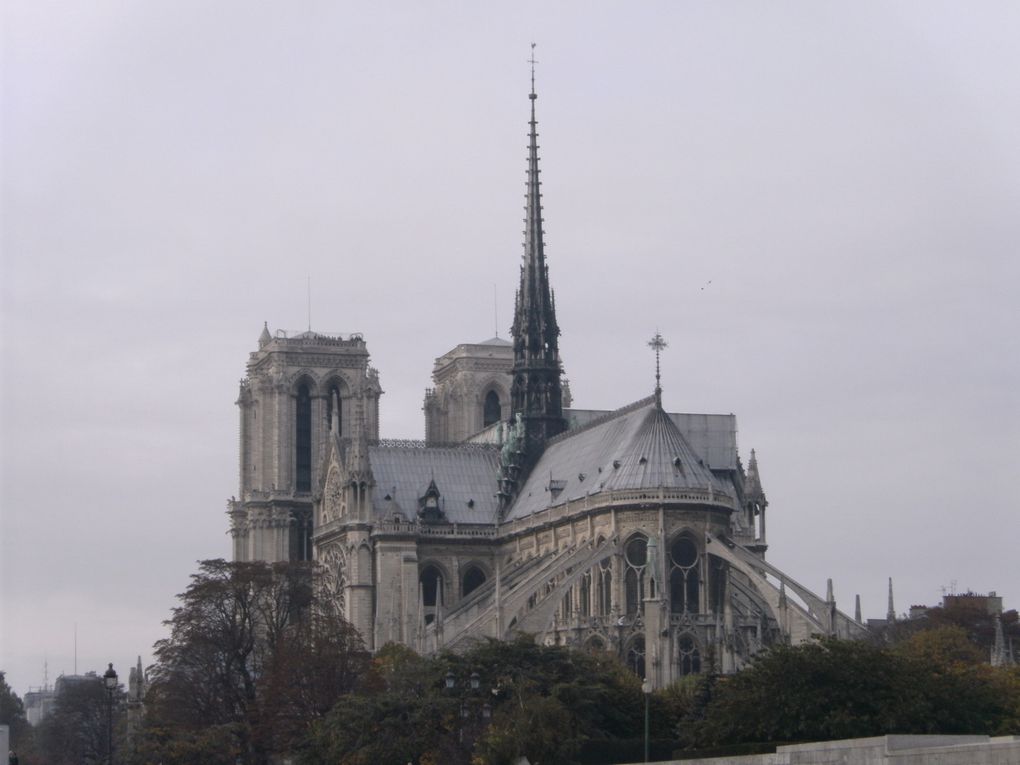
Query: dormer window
{"x": 429, "y": 505}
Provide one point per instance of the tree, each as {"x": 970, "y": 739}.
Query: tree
{"x": 75, "y": 731}
{"x": 836, "y": 689}
{"x": 12, "y": 714}
{"x": 543, "y": 702}
{"x": 256, "y": 652}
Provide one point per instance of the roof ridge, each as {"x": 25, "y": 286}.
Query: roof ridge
{"x": 632, "y": 407}
{"x": 410, "y": 443}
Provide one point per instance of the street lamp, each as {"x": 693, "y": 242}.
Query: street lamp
{"x": 646, "y": 688}
{"x": 110, "y": 682}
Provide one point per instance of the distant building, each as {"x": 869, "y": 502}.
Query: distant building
{"x": 39, "y": 703}
{"x": 635, "y": 531}
{"x": 991, "y": 603}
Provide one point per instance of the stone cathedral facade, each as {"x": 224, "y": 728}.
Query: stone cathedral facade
{"x": 635, "y": 531}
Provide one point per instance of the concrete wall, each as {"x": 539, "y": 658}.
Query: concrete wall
{"x": 885, "y": 750}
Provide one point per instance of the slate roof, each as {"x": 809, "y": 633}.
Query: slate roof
{"x": 637, "y": 447}
{"x": 462, "y": 475}
{"x": 712, "y": 436}
{"x": 495, "y": 341}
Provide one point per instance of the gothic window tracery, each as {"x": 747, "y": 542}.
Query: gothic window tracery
{"x": 605, "y": 588}
{"x": 585, "y": 594}
{"x": 688, "y": 655}
{"x": 684, "y": 580}
{"x": 635, "y": 556}
{"x": 333, "y": 499}
{"x": 636, "y": 656}
{"x": 336, "y": 574}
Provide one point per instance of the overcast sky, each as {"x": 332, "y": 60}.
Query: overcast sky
{"x": 815, "y": 203}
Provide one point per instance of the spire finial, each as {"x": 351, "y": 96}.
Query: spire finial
{"x": 658, "y": 345}
{"x": 532, "y": 61}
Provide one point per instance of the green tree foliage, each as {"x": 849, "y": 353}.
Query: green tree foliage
{"x": 542, "y": 702}
{"x": 76, "y": 731}
{"x": 844, "y": 689}
{"x": 12, "y": 714}
{"x": 254, "y": 656}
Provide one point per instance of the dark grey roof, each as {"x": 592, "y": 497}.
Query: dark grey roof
{"x": 712, "y": 436}
{"x": 462, "y": 475}
{"x": 638, "y": 447}
{"x": 495, "y": 341}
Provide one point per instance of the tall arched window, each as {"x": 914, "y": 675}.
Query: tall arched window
{"x": 334, "y": 404}
{"x": 431, "y": 591}
{"x": 635, "y": 556}
{"x": 474, "y": 578}
{"x": 688, "y": 657}
{"x": 492, "y": 412}
{"x": 683, "y": 576}
{"x": 303, "y": 440}
{"x": 636, "y": 656}
{"x": 604, "y": 587}
{"x": 584, "y": 595}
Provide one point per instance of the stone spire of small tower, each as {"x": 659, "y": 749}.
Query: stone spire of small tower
{"x": 536, "y": 393}
{"x": 857, "y": 610}
{"x": 752, "y": 481}
{"x": 265, "y": 337}
{"x": 890, "y": 614}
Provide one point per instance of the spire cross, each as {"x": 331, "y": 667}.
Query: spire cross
{"x": 658, "y": 345}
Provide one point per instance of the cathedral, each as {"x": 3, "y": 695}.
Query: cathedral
{"x": 636, "y": 531}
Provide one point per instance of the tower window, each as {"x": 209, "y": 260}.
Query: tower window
{"x": 493, "y": 411}
{"x": 303, "y": 441}
{"x": 334, "y": 408}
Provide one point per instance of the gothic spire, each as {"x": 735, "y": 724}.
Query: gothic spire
{"x": 536, "y": 393}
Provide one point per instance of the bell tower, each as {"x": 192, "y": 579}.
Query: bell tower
{"x": 299, "y": 389}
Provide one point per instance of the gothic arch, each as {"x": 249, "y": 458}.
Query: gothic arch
{"x": 303, "y": 376}
{"x": 434, "y": 580}
{"x": 337, "y": 391}
{"x": 635, "y": 562}
{"x": 688, "y": 654}
{"x": 304, "y": 395}
{"x": 634, "y": 655}
{"x": 473, "y": 575}
{"x": 684, "y": 557}
{"x": 494, "y": 399}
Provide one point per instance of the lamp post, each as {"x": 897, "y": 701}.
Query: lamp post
{"x": 646, "y": 688}
{"x": 110, "y": 683}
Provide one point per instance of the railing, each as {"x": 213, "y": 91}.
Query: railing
{"x": 589, "y": 502}
{"x": 438, "y": 530}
